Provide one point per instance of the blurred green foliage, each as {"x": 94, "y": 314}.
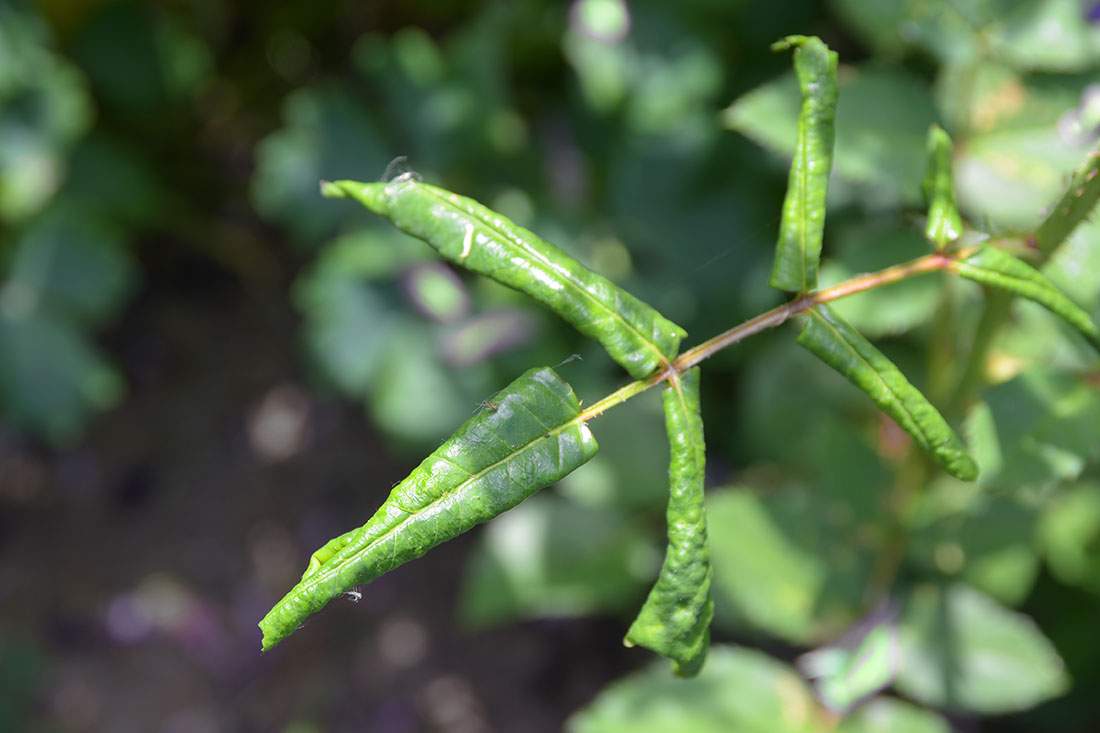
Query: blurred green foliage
{"x": 649, "y": 140}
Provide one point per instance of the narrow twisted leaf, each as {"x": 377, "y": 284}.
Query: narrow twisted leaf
{"x": 530, "y": 439}
{"x": 803, "y": 223}
{"x": 944, "y": 221}
{"x": 675, "y": 620}
{"x": 468, "y": 234}
{"x": 998, "y": 269}
{"x": 1074, "y": 206}
{"x": 844, "y": 349}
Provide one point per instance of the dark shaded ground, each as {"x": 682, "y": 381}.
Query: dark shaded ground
{"x": 135, "y": 565}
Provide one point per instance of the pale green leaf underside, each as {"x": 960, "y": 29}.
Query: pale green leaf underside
{"x": 472, "y": 236}
{"x": 844, "y": 676}
{"x": 843, "y": 348}
{"x": 740, "y": 691}
{"x": 675, "y": 620}
{"x": 997, "y": 268}
{"x": 803, "y": 222}
{"x": 528, "y": 440}
{"x": 964, "y": 651}
{"x": 890, "y": 715}
{"x": 944, "y": 221}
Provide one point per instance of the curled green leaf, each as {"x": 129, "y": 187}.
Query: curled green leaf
{"x": 530, "y": 438}
{"x": 803, "y": 222}
{"x": 472, "y": 236}
{"x": 675, "y": 620}
{"x": 844, "y": 349}
{"x": 1073, "y": 208}
{"x": 944, "y": 221}
{"x": 998, "y": 269}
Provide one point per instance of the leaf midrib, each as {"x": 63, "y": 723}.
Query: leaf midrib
{"x": 886, "y": 385}
{"x": 324, "y": 573}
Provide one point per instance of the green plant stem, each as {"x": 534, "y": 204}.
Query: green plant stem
{"x": 772, "y": 318}
{"x": 995, "y": 310}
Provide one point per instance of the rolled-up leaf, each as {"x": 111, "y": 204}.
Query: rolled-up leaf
{"x": 472, "y": 236}
{"x": 528, "y": 439}
{"x": 675, "y": 620}
{"x": 803, "y": 222}
{"x": 944, "y": 221}
{"x": 998, "y": 269}
{"x": 843, "y": 348}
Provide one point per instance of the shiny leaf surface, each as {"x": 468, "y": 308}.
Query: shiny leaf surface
{"x": 474, "y": 237}
{"x": 843, "y": 348}
{"x": 527, "y": 440}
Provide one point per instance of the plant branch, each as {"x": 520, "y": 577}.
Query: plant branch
{"x": 772, "y": 318}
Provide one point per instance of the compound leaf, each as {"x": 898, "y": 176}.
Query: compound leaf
{"x": 944, "y": 221}
{"x": 675, "y": 620}
{"x": 843, "y": 348}
{"x": 530, "y": 437}
{"x": 997, "y": 268}
{"x": 803, "y": 221}
{"x": 472, "y": 236}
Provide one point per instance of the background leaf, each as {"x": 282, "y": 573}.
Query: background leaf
{"x": 772, "y": 698}
{"x": 780, "y": 569}
{"x": 964, "y": 531}
{"x": 888, "y": 311}
{"x": 74, "y": 264}
{"x": 51, "y": 378}
{"x": 888, "y": 715}
{"x": 1041, "y": 427}
{"x": 882, "y": 120}
{"x": 963, "y": 651}
{"x": 1069, "y": 531}
{"x": 553, "y": 558}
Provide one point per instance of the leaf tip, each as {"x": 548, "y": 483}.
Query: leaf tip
{"x": 963, "y": 467}
{"x": 268, "y": 641}
{"x": 796, "y": 41}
